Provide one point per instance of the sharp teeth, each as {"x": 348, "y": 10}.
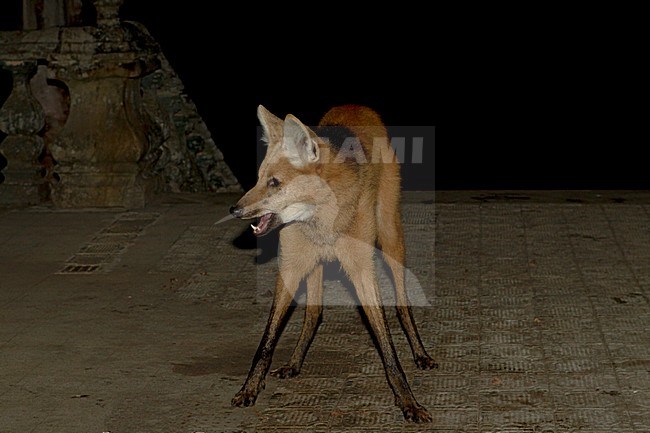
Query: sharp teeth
{"x": 254, "y": 228}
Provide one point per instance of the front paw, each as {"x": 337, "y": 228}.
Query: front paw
{"x": 416, "y": 413}
{"x": 244, "y": 398}
{"x": 285, "y": 372}
{"x": 425, "y": 362}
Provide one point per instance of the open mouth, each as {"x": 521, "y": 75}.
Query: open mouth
{"x": 264, "y": 225}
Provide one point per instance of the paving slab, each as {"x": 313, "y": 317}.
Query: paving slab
{"x": 535, "y": 304}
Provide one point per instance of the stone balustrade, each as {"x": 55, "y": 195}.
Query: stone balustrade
{"x": 103, "y": 123}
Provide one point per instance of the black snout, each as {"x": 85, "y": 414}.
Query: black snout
{"x": 236, "y": 211}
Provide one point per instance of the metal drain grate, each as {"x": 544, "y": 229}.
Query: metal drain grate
{"x": 72, "y": 268}
{"x": 103, "y": 248}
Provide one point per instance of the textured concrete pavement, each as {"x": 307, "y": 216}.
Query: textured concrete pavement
{"x": 536, "y": 306}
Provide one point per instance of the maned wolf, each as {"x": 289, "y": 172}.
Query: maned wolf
{"x": 334, "y": 201}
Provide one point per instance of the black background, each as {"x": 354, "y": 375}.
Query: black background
{"x": 538, "y": 101}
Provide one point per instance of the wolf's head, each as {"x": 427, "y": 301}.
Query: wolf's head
{"x": 289, "y": 185}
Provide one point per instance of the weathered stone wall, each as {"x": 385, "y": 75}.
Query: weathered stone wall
{"x": 186, "y": 156}
{"x": 97, "y": 117}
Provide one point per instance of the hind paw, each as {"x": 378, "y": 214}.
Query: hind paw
{"x": 416, "y": 413}
{"x": 425, "y": 362}
{"x": 244, "y": 398}
{"x": 285, "y": 372}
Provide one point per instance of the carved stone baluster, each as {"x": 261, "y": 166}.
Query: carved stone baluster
{"x": 21, "y": 118}
{"x": 100, "y": 147}
{"x": 108, "y": 12}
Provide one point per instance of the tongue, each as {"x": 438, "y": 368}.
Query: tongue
{"x": 263, "y": 224}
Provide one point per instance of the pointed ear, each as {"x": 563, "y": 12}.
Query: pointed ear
{"x": 271, "y": 124}
{"x": 299, "y": 141}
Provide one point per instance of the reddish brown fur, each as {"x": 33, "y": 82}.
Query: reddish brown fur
{"x": 346, "y": 209}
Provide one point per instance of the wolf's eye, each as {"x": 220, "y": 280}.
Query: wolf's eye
{"x": 273, "y": 182}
